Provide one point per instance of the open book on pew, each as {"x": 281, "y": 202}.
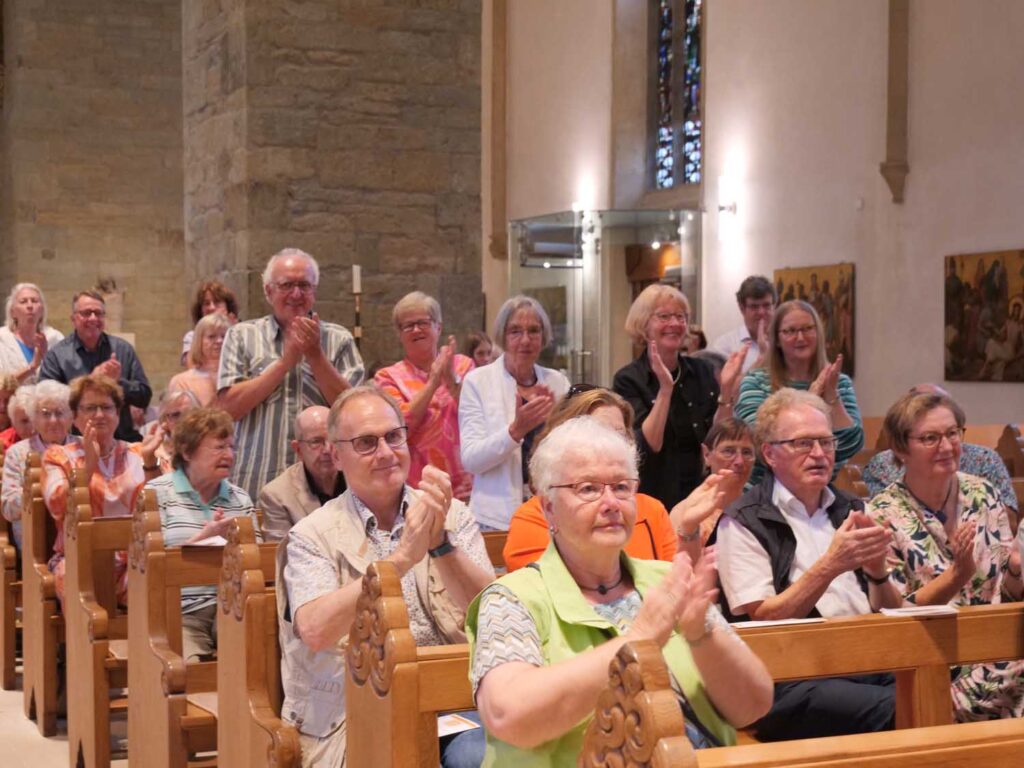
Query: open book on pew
{"x": 920, "y": 610}
{"x": 453, "y": 722}
{"x": 774, "y": 623}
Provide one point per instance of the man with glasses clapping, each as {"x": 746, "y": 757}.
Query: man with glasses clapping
{"x": 431, "y": 538}
{"x": 793, "y": 547}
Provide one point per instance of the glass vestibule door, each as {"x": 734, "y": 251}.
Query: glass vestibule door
{"x": 585, "y": 268}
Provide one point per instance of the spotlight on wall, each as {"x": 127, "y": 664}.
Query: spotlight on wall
{"x": 655, "y": 244}
{"x": 547, "y": 265}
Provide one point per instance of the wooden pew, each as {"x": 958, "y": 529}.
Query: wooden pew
{"x": 394, "y": 690}
{"x": 1011, "y": 448}
{"x": 42, "y": 622}
{"x": 174, "y": 703}
{"x": 495, "y": 543}
{"x": 249, "y": 694}
{"x": 96, "y": 628}
{"x": 394, "y": 686}
{"x": 637, "y": 722}
{"x": 875, "y": 439}
{"x": 166, "y": 723}
{"x": 10, "y": 595}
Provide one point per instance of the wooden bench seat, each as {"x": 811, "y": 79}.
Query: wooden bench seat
{"x": 250, "y": 731}
{"x": 96, "y": 626}
{"x": 42, "y": 623}
{"x": 395, "y": 686}
{"x": 10, "y": 597}
{"x": 637, "y": 722}
{"x": 174, "y": 703}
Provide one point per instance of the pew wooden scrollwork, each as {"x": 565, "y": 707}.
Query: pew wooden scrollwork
{"x": 380, "y": 638}
{"x": 240, "y": 574}
{"x": 638, "y": 722}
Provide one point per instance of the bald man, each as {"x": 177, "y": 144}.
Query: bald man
{"x": 307, "y": 484}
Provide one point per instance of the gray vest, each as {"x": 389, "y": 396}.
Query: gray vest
{"x": 314, "y": 683}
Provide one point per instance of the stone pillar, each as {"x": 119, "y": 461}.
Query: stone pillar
{"x": 92, "y": 185}
{"x": 345, "y": 128}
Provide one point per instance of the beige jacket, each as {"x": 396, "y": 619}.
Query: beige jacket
{"x": 285, "y": 500}
{"x": 314, "y": 683}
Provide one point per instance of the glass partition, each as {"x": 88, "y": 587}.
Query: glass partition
{"x": 586, "y": 267}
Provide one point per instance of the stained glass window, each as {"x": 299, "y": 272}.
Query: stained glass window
{"x": 678, "y": 141}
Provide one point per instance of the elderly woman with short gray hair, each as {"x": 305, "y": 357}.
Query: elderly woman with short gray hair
{"x": 50, "y": 413}
{"x": 541, "y": 638}
{"x": 427, "y": 383}
{"x": 502, "y": 409}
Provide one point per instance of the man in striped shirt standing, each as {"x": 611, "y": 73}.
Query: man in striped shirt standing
{"x": 274, "y": 367}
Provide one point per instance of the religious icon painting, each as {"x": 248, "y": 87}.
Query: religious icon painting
{"x": 984, "y": 316}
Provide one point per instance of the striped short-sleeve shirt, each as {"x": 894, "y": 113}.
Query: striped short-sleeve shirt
{"x": 261, "y": 436}
{"x": 183, "y": 514}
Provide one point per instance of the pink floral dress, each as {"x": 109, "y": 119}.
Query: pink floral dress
{"x": 112, "y": 493}
{"x": 920, "y": 552}
{"x": 435, "y": 439}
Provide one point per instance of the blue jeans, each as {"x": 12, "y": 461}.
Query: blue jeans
{"x": 466, "y": 749}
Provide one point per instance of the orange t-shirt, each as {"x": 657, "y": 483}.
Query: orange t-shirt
{"x": 528, "y": 535}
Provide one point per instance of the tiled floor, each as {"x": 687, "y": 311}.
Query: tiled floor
{"x": 21, "y": 746}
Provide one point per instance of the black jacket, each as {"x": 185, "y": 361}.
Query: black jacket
{"x": 755, "y": 512}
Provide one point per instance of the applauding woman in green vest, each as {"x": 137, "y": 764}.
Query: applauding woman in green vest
{"x": 543, "y": 636}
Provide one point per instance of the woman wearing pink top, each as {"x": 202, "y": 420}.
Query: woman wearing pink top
{"x": 426, "y": 383}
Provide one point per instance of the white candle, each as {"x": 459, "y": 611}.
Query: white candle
{"x": 357, "y": 279}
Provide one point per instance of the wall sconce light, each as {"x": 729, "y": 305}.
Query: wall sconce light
{"x": 730, "y": 208}
{"x": 656, "y": 244}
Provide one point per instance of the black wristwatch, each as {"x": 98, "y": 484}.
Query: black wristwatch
{"x": 443, "y": 548}
{"x": 881, "y": 581}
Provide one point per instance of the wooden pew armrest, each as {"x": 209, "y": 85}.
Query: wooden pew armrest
{"x": 174, "y": 670}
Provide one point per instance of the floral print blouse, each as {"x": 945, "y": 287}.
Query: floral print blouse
{"x": 920, "y": 552}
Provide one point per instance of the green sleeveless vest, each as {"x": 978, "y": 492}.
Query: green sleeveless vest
{"x": 567, "y": 626}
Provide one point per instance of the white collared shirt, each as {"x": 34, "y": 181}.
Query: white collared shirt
{"x": 729, "y": 342}
{"x": 746, "y": 571}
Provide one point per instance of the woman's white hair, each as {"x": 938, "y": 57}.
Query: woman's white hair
{"x": 568, "y": 444}
{"x": 24, "y": 397}
{"x": 51, "y": 391}
{"x": 14, "y": 294}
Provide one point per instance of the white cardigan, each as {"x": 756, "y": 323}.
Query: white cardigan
{"x": 12, "y": 359}
{"x": 487, "y": 405}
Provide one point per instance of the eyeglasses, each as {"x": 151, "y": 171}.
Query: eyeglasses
{"x": 730, "y": 452}
{"x": 364, "y": 445}
{"x": 756, "y": 306}
{"x": 806, "y": 444}
{"x": 579, "y": 389}
{"x": 534, "y": 332}
{"x": 87, "y": 313}
{"x": 664, "y": 317}
{"x": 792, "y": 333}
{"x": 317, "y": 443}
{"x": 415, "y": 325}
{"x": 932, "y": 439}
{"x": 222, "y": 447}
{"x": 592, "y": 490}
{"x": 287, "y": 286}
{"x": 46, "y": 413}
{"x": 107, "y": 410}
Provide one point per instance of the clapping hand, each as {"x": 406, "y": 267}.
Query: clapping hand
{"x": 533, "y": 413}
{"x": 962, "y": 544}
{"x": 442, "y": 370}
{"x": 661, "y": 371}
{"x": 680, "y": 600}
{"x": 859, "y": 542}
{"x": 307, "y": 333}
{"x": 111, "y": 368}
{"x": 763, "y": 342}
{"x": 424, "y": 519}
{"x": 150, "y": 443}
{"x": 732, "y": 374}
{"x": 826, "y": 385}
{"x": 710, "y": 496}
{"x": 41, "y": 347}
{"x": 91, "y": 446}
{"x": 218, "y": 525}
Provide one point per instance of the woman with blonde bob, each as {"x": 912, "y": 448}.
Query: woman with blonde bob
{"x": 25, "y": 337}
{"x": 676, "y": 398}
{"x": 541, "y": 638}
{"x": 796, "y": 358}
{"x": 203, "y": 359}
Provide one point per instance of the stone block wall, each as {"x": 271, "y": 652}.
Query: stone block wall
{"x": 346, "y": 128}
{"x": 92, "y": 161}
